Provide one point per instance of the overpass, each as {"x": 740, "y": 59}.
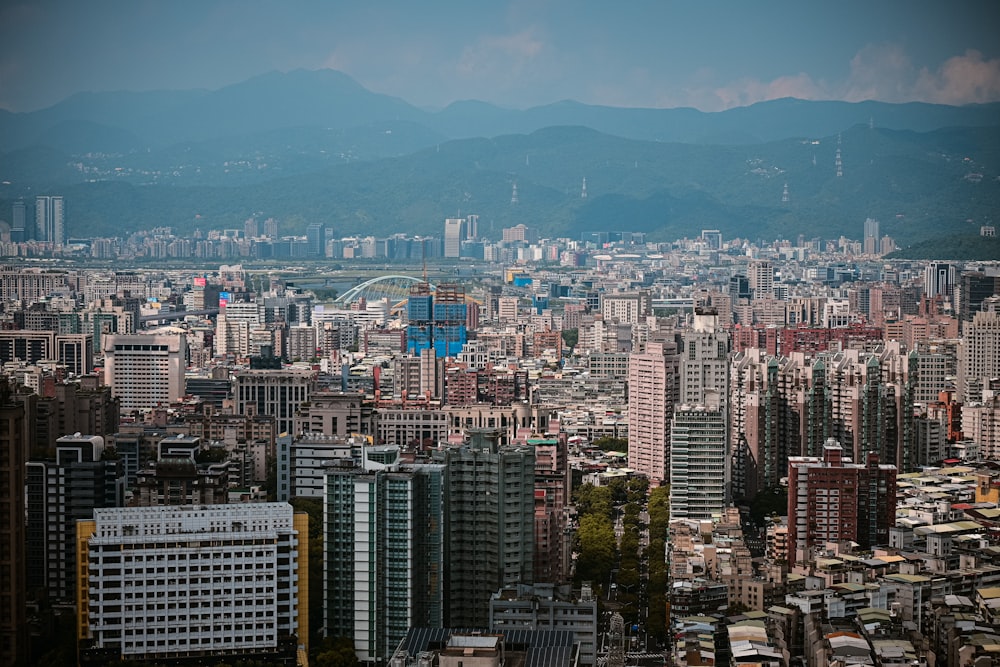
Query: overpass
{"x": 176, "y": 315}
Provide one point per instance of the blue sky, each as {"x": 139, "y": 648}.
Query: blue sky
{"x": 709, "y": 54}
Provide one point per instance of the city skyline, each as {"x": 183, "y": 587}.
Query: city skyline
{"x": 514, "y": 54}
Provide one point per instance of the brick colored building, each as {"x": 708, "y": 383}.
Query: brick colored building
{"x": 832, "y": 499}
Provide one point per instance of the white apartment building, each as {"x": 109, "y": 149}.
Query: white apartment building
{"x": 698, "y": 462}
{"x": 145, "y": 371}
{"x": 626, "y": 308}
{"x": 158, "y": 583}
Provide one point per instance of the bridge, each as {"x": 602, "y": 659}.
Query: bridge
{"x": 394, "y": 288}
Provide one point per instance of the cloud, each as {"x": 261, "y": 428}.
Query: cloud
{"x": 879, "y": 72}
{"x": 882, "y": 72}
{"x": 964, "y": 79}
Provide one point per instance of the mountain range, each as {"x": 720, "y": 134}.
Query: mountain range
{"x": 310, "y": 146}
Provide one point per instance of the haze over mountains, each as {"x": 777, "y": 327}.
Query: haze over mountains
{"x": 316, "y": 146}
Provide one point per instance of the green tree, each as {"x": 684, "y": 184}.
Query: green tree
{"x": 571, "y": 337}
{"x": 337, "y": 652}
{"x": 597, "y": 548}
{"x": 590, "y": 499}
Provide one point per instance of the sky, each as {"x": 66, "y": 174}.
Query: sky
{"x": 707, "y": 54}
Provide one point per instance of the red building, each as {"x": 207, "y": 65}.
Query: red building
{"x": 832, "y": 499}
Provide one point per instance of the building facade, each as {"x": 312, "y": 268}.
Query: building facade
{"x": 163, "y": 583}
{"x": 831, "y": 499}
{"x": 145, "y": 371}
{"x": 384, "y": 552}
{"x": 652, "y": 386}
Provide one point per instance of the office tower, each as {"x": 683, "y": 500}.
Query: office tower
{"x": 315, "y": 239}
{"x": 699, "y": 460}
{"x": 454, "y": 234}
{"x": 278, "y": 393}
{"x": 18, "y": 231}
{"x": 979, "y": 354}
{"x": 652, "y": 382}
{"x": 164, "y": 583}
{"x": 472, "y": 227}
{"x": 739, "y": 288}
{"x": 384, "y": 551}
{"x": 60, "y": 492}
{"x": 491, "y": 507}
{"x": 49, "y": 219}
{"x": 761, "y": 278}
{"x": 831, "y": 499}
{"x": 939, "y": 281}
{"x": 872, "y": 240}
{"x": 13, "y": 592}
{"x": 973, "y": 288}
{"x": 76, "y": 352}
{"x": 145, "y": 371}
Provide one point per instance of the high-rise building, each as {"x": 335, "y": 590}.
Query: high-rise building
{"x": 552, "y": 495}
{"x": 760, "y": 275}
{"x": 491, "y": 506}
{"x": 271, "y": 228}
{"x": 145, "y": 371}
{"x": 831, "y": 499}
{"x": 18, "y": 231}
{"x": 712, "y": 238}
{"x": 699, "y": 458}
{"x": 316, "y": 239}
{"x": 939, "y": 281}
{"x": 652, "y": 382}
{"x": 165, "y": 583}
{"x": 704, "y": 359}
{"x": 278, "y": 393}
{"x": 979, "y": 354}
{"x": 13, "y": 591}
{"x": 49, "y": 219}
{"x": 384, "y": 551}
{"x": 454, "y": 234}
{"x": 60, "y": 492}
{"x": 436, "y": 319}
{"x": 872, "y": 240}
{"x": 974, "y": 287}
